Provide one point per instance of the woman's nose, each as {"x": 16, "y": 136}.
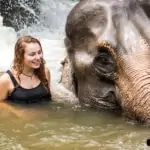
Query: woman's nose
{"x": 38, "y": 56}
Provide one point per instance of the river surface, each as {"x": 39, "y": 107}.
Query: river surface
{"x": 65, "y": 127}
{"x": 60, "y": 125}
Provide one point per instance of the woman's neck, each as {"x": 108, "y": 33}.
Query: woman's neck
{"x": 28, "y": 71}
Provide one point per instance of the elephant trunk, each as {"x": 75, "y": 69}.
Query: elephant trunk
{"x": 134, "y": 85}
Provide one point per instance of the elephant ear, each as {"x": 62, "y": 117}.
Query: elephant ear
{"x": 67, "y": 77}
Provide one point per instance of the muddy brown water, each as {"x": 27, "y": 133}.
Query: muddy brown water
{"x": 69, "y": 127}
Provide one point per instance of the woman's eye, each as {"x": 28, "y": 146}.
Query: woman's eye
{"x": 32, "y": 54}
{"x": 40, "y": 52}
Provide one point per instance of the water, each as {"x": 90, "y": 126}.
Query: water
{"x": 60, "y": 125}
{"x": 66, "y": 127}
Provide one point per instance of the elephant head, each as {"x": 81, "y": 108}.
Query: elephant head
{"x": 107, "y": 44}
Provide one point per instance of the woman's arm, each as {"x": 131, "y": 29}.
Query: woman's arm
{"x": 4, "y": 86}
{"x": 5, "y": 83}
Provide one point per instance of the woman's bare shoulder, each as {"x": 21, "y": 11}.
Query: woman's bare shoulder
{"x": 4, "y": 79}
{"x": 47, "y": 71}
{"x": 48, "y": 75}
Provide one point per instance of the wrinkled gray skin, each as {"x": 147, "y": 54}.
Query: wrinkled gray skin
{"x": 107, "y": 43}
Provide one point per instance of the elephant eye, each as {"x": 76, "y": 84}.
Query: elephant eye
{"x": 104, "y": 58}
{"x": 104, "y": 63}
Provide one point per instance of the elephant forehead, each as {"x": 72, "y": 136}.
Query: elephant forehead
{"x": 95, "y": 18}
{"x": 121, "y": 23}
{"x": 90, "y": 13}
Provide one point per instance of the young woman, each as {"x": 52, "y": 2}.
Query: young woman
{"x": 28, "y": 81}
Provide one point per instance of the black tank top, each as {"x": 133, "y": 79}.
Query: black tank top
{"x": 22, "y": 95}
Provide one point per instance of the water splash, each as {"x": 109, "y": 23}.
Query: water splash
{"x": 8, "y": 37}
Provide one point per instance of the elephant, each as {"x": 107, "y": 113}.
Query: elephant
{"x": 18, "y": 13}
{"x": 108, "y": 56}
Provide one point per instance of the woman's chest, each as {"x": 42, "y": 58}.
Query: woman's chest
{"x": 30, "y": 95}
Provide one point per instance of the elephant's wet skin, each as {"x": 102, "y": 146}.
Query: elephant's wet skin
{"x": 95, "y": 86}
{"x": 107, "y": 43}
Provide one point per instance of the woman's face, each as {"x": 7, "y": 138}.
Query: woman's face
{"x": 33, "y": 55}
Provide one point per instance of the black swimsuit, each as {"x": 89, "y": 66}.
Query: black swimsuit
{"x": 22, "y": 95}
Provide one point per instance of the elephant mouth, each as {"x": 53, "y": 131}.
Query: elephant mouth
{"x": 107, "y": 102}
